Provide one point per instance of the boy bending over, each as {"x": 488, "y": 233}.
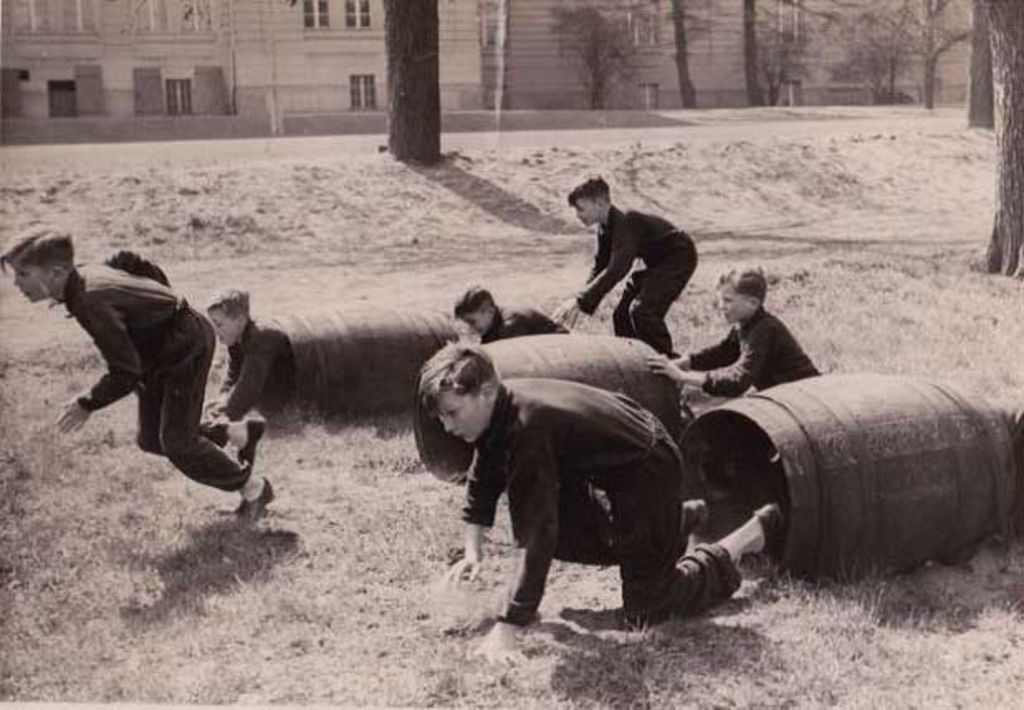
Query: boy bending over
{"x": 759, "y": 351}
{"x": 592, "y": 478}
{"x": 261, "y": 366}
{"x": 155, "y": 345}
{"x": 477, "y": 309}
{"x": 622, "y": 238}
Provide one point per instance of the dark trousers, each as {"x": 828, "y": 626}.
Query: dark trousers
{"x": 170, "y": 408}
{"x": 642, "y": 533}
{"x": 648, "y": 295}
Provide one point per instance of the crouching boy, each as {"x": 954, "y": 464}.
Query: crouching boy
{"x": 592, "y": 478}
{"x": 261, "y": 366}
{"x": 759, "y": 351}
{"x": 623, "y": 237}
{"x": 477, "y": 309}
{"x": 155, "y": 345}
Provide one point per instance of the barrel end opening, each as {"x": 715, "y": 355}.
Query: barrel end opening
{"x": 739, "y": 467}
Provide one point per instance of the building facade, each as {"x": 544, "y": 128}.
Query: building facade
{"x": 248, "y": 57}
{"x": 528, "y": 63}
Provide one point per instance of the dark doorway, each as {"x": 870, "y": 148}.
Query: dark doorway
{"x": 179, "y": 97}
{"x": 62, "y": 98}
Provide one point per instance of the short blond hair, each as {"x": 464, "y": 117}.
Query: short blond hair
{"x": 233, "y": 302}
{"x": 747, "y": 281}
{"x": 459, "y": 367}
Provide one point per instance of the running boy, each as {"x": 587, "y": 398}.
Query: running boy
{"x": 154, "y": 345}
{"x": 759, "y": 350}
{"x": 592, "y": 478}
{"x": 261, "y": 366}
{"x": 623, "y": 237}
{"x": 478, "y": 310}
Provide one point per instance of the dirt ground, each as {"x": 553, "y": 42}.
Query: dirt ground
{"x": 122, "y": 581}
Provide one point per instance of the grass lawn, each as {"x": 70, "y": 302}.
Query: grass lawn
{"x": 120, "y": 580}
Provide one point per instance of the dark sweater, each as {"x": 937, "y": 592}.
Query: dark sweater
{"x": 626, "y": 237}
{"x": 760, "y": 352}
{"x": 547, "y": 438}
{"x": 129, "y": 318}
{"x": 514, "y": 323}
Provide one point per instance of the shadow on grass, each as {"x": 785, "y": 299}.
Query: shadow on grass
{"x": 600, "y": 668}
{"x": 295, "y": 423}
{"x": 217, "y": 558}
{"x": 494, "y": 199}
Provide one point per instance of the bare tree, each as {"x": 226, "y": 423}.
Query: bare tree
{"x": 782, "y": 47}
{"x": 755, "y": 97}
{"x": 1006, "y": 26}
{"x": 414, "y": 92}
{"x": 878, "y": 42}
{"x": 981, "y": 101}
{"x": 600, "y": 45}
{"x": 680, "y": 19}
{"x": 939, "y": 30}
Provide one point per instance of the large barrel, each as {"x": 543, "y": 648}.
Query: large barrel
{"x": 874, "y": 472}
{"x": 614, "y": 364}
{"x": 362, "y": 361}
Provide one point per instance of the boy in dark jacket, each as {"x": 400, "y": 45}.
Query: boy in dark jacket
{"x": 759, "y": 350}
{"x": 153, "y": 345}
{"x": 622, "y": 238}
{"x": 478, "y": 310}
{"x": 261, "y": 365}
{"x": 591, "y": 477}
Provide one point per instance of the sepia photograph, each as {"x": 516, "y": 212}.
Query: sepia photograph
{"x": 512, "y": 353}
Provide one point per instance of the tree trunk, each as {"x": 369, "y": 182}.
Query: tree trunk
{"x": 754, "y": 95}
{"x": 687, "y": 92}
{"x": 414, "y": 93}
{"x": 1006, "y": 24}
{"x": 981, "y": 103}
{"x": 930, "y": 63}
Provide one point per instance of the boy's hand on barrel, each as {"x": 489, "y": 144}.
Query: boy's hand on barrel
{"x": 661, "y": 365}
{"x": 72, "y": 418}
{"x": 567, "y": 314}
{"x": 499, "y": 645}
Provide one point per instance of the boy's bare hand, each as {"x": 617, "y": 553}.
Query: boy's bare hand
{"x": 72, "y": 418}
{"x": 499, "y": 645}
{"x": 466, "y": 569}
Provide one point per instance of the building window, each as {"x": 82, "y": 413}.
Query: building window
{"x": 57, "y": 16}
{"x": 649, "y": 95}
{"x": 790, "y": 15}
{"x": 364, "y": 91}
{"x": 643, "y": 20}
{"x": 179, "y": 97}
{"x": 196, "y": 15}
{"x": 314, "y": 13}
{"x": 357, "y": 13}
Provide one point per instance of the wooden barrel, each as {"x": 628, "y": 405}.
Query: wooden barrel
{"x": 874, "y": 472}
{"x": 614, "y": 364}
{"x": 362, "y": 360}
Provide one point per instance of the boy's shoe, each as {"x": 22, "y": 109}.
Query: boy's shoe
{"x": 772, "y": 524}
{"x": 694, "y": 517}
{"x": 254, "y": 429}
{"x": 251, "y": 511}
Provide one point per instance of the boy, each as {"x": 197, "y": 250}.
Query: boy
{"x": 261, "y": 366}
{"x": 591, "y": 477}
{"x": 623, "y": 237}
{"x": 154, "y": 345}
{"x": 759, "y": 350}
{"x": 478, "y": 310}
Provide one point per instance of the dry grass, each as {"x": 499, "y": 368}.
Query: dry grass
{"x": 121, "y": 581}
